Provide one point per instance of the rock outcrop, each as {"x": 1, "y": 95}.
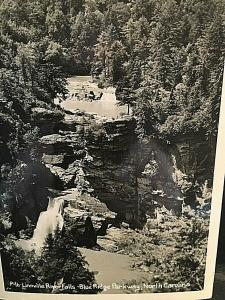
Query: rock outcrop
{"x": 132, "y": 177}
{"x": 46, "y": 120}
{"x": 194, "y": 157}
{"x": 84, "y": 216}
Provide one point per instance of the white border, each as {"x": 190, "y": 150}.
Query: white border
{"x": 206, "y": 293}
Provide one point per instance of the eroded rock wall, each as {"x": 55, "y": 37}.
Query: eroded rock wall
{"x": 132, "y": 177}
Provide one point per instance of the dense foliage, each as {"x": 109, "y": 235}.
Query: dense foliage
{"x": 164, "y": 57}
{"x": 187, "y": 263}
{"x": 59, "y": 269}
{"x": 174, "y": 252}
{"x": 28, "y": 79}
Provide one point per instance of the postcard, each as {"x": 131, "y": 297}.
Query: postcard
{"x": 112, "y": 120}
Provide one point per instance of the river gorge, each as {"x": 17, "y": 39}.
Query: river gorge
{"x": 100, "y": 170}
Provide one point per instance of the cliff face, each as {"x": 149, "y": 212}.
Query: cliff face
{"x": 194, "y": 157}
{"x": 112, "y": 168}
{"x": 6, "y": 129}
{"x": 133, "y": 178}
{"x": 105, "y": 158}
{"x": 30, "y": 196}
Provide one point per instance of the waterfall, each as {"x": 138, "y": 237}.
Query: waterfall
{"x": 48, "y": 222}
{"x": 178, "y": 176}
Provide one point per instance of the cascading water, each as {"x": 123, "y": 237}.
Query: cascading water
{"x": 178, "y": 175}
{"x": 48, "y": 222}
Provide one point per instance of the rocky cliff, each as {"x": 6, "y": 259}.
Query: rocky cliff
{"x": 132, "y": 177}
{"x": 104, "y": 158}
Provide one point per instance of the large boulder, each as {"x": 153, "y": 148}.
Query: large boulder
{"x": 83, "y": 217}
{"x": 62, "y": 154}
{"x": 47, "y": 120}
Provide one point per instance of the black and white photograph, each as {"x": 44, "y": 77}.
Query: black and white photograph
{"x": 109, "y": 116}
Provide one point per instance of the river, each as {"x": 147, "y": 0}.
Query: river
{"x": 111, "y": 269}
{"x": 107, "y": 106}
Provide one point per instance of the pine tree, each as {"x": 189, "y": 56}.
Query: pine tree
{"x": 61, "y": 261}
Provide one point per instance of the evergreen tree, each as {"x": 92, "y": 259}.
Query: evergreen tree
{"x": 61, "y": 261}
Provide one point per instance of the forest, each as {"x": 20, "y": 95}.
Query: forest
{"x": 165, "y": 59}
